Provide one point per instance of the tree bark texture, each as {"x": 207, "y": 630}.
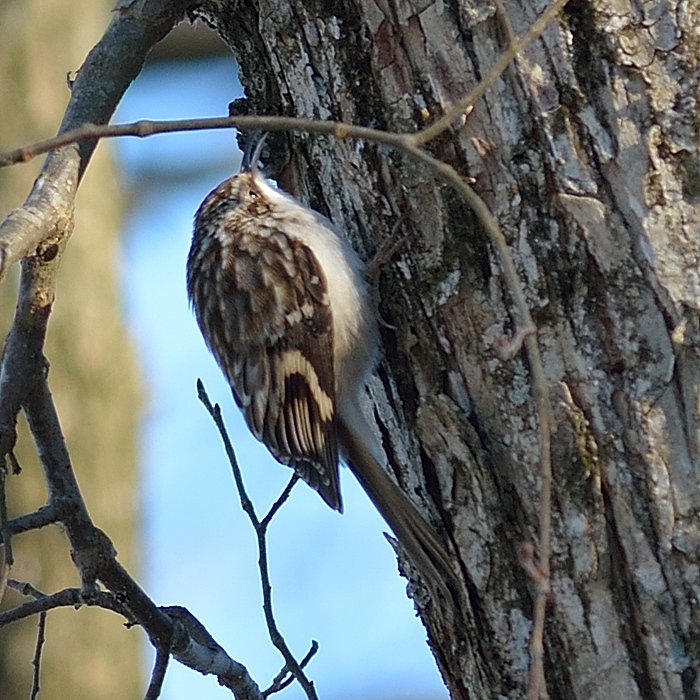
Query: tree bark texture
{"x": 88, "y": 654}
{"x": 586, "y": 151}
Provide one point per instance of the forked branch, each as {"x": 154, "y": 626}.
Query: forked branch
{"x": 260, "y": 526}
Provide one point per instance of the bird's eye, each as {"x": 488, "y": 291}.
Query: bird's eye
{"x": 253, "y": 194}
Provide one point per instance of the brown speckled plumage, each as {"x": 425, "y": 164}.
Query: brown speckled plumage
{"x": 283, "y": 306}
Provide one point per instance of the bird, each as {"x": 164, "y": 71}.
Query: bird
{"x": 281, "y": 301}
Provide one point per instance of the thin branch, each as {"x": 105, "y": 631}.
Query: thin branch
{"x": 14, "y": 463}
{"x": 275, "y": 635}
{"x": 284, "y": 678}
{"x": 36, "y": 662}
{"x": 68, "y": 597}
{"x": 4, "y": 576}
{"x": 5, "y": 531}
{"x": 144, "y": 128}
{"x": 155, "y": 685}
{"x": 537, "y": 685}
{"x": 214, "y": 411}
{"x": 265, "y": 522}
{"x": 420, "y": 138}
{"x": 503, "y": 18}
{"x": 26, "y": 589}
{"x": 261, "y": 533}
{"x": 46, "y": 515}
{"x": 7, "y": 556}
{"x": 508, "y": 348}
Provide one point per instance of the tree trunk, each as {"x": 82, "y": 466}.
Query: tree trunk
{"x": 93, "y": 376}
{"x": 586, "y": 151}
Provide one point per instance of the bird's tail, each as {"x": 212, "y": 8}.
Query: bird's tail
{"x": 411, "y": 529}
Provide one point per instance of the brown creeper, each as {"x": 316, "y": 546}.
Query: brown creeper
{"x": 283, "y": 306}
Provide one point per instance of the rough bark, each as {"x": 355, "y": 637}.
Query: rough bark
{"x": 87, "y": 654}
{"x": 586, "y": 151}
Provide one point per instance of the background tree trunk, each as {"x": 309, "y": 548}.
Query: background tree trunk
{"x": 586, "y": 151}
{"x": 93, "y": 377}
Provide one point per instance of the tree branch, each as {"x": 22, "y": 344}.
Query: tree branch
{"x": 285, "y": 678}
{"x": 46, "y": 515}
{"x": 36, "y": 662}
{"x": 193, "y": 646}
{"x": 95, "y": 558}
{"x": 22, "y": 359}
{"x": 157, "y": 675}
{"x": 7, "y": 558}
{"x": 100, "y": 83}
{"x": 68, "y": 597}
{"x": 260, "y": 527}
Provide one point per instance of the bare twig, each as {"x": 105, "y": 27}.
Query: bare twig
{"x": 420, "y": 138}
{"x": 4, "y": 575}
{"x": 508, "y": 348}
{"x": 68, "y": 597}
{"x": 265, "y": 522}
{"x": 14, "y": 464}
{"x": 46, "y": 515}
{"x": 284, "y": 678}
{"x": 7, "y": 559}
{"x": 144, "y": 128}
{"x": 537, "y": 686}
{"x": 155, "y": 686}
{"x": 503, "y": 18}
{"x": 26, "y": 589}
{"x": 278, "y": 640}
{"x": 36, "y": 662}
{"x": 261, "y": 532}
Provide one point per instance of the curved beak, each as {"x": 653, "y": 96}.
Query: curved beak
{"x": 251, "y": 156}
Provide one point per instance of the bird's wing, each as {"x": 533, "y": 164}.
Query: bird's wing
{"x": 276, "y": 350}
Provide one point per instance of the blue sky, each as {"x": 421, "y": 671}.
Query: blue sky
{"x": 334, "y": 577}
